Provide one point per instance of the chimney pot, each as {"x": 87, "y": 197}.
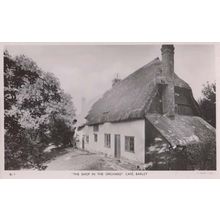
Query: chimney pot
{"x": 115, "y": 81}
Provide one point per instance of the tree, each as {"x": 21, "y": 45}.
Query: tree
{"x": 35, "y": 109}
{"x": 207, "y": 103}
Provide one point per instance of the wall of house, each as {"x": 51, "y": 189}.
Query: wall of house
{"x": 183, "y": 102}
{"x": 79, "y": 137}
{"x": 134, "y": 128}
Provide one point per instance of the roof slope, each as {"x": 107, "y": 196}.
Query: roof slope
{"x": 183, "y": 130}
{"x": 131, "y": 97}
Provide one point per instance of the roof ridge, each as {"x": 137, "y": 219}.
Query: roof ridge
{"x": 131, "y": 97}
{"x": 143, "y": 67}
{"x": 148, "y": 64}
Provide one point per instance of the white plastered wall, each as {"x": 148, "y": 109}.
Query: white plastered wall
{"x": 134, "y": 128}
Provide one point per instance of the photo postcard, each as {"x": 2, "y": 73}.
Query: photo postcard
{"x": 109, "y": 110}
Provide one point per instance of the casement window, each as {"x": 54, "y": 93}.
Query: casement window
{"x": 87, "y": 138}
{"x": 107, "y": 140}
{"x": 95, "y": 137}
{"x": 95, "y": 128}
{"x": 129, "y": 144}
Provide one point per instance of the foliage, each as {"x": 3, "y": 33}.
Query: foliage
{"x": 165, "y": 157}
{"x": 162, "y": 156}
{"x": 201, "y": 157}
{"x": 37, "y": 112}
{"x": 208, "y": 103}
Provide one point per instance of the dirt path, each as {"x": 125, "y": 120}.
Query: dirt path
{"x": 83, "y": 160}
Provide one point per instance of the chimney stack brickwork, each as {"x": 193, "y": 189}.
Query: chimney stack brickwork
{"x": 168, "y": 61}
{"x": 168, "y": 94}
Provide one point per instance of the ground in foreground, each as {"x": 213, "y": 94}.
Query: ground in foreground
{"x": 75, "y": 159}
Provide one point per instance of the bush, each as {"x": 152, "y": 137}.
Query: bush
{"x": 37, "y": 112}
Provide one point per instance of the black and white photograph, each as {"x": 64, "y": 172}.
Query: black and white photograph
{"x": 109, "y": 107}
{"x": 109, "y": 110}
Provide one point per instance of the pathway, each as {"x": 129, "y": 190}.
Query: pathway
{"x": 83, "y": 160}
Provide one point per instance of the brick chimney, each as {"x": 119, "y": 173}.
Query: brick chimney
{"x": 116, "y": 80}
{"x": 168, "y": 98}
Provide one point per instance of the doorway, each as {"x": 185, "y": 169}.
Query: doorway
{"x": 83, "y": 142}
{"x": 117, "y": 146}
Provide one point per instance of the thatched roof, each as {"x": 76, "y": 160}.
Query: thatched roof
{"x": 131, "y": 97}
{"x": 183, "y": 130}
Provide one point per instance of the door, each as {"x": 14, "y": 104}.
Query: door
{"x": 83, "y": 142}
{"x": 117, "y": 146}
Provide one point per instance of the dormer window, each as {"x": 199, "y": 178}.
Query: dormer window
{"x": 95, "y": 128}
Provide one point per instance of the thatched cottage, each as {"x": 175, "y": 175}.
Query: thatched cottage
{"x": 151, "y": 118}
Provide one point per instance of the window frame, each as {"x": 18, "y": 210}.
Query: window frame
{"x": 96, "y": 128}
{"x": 95, "y": 137}
{"x": 87, "y": 139}
{"x": 107, "y": 140}
{"x": 129, "y": 143}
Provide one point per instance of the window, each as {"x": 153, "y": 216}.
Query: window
{"x": 95, "y": 128}
{"x": 107, "y": 140}
{"x": 87, "y": 138}
{"x": 129, "y": 144}
{"x": 95, "y": 137}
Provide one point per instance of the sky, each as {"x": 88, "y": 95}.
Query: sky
{"x": 87, "y": 70}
